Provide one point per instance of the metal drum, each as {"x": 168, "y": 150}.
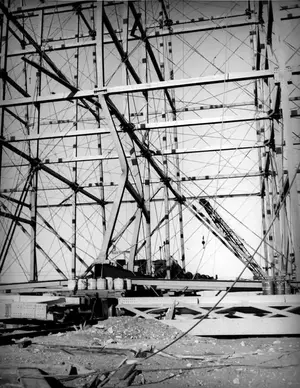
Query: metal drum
{"x": 71, "y": 284}
{"x": 268, "y": 287}
{"x": 287, "y": 287}
{"x": 110, "y": 283}
{"x": 119, "y": 284}
{"x": 82, "y": 284}
{"x": 279, "y": 285}
{"x": 128, "y": 284}
{"x": 101, "y": 284}
{"x": 91, "y": 284}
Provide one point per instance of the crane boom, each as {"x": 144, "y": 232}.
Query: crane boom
{"x": 238, "y": 247}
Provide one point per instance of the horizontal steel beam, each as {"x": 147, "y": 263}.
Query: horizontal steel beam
{"x": 164, "y": 152}
{"x": 28, "y": 285}
{"x": 249, "y": 326}
{"x": 195, "y": 284}
{"x": 198, "y": 29}
{"x": 56, "y": 5}
{"x": 160, "y": 283}
{"x": 135, "y": 88}
{"x": 58, "y": 135}
{"x": 184, "y": 179}
{"x": 156, "y": 125}
{"x": 232, "y": 299}
{"x": 50, "y": 48}
{"x": 154, "y": 35}
{"x": 171, "y": 199}
{"x": 200, "y": 121}
{"x": 184, "y": 82}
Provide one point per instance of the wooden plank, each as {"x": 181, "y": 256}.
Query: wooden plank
{"x": 232, "y": 300}
{"x": 123, "y": 372}
{"x": 157, "y": 310}
{"x": 235, "y": 327}
{"x": 158, "y": 301}
{"x": 26, "y": 285}
{"x": 271, "y": 311}
{"x": 33, "y": 378}
{"x": 49, "y": 299}
{"x": 137, "y": 312}
{"x": 122, "y": 377}
{"x": 171, "y": 311}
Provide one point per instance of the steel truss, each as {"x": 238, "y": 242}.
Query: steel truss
{"x": 117, "y": 118}
{"x": 276, "y": 314}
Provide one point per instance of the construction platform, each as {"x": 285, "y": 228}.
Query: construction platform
{"x": 210, "y": 311}
{"x": 161, "y": 284}
{"x": 239, "y": 314}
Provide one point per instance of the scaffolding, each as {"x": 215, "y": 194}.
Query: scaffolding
{"x": 118, "y": 117}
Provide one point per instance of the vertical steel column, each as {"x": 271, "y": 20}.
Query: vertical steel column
{"x": 134, "y": 166}
{"x": 100, "y": 81}
{"x": 33, "y": 276}
{"x": 272, "y": 140}
{"x": 33, "y": 205}
{"x": 279, "y": 179}
{"x": 147, "y": 193}
{"x": 125, "y": 48}
{"x": 284, "y": 79}
{"x": 135, "y": 236}
{"x": 147, "y": 204}
{"x": 264, "y": 134}
{"x": 270, "y": 237}
{"x": 268, "y": 179}
{"x": 175, "y": 146}
{"x": 74, "y": 218}
{"x": 259, "y": 107}
{"x": 3, "y": 65}
{"x": 145, "y": 136}
{"x": 122, "y": 183}
{"x": 278, "y": 253}
{"x": 167, "y": 254}
{"x": 75, "y": 166}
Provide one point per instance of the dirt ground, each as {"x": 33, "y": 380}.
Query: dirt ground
{"x": 190, "y": 362}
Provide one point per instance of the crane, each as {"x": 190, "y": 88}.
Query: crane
{"x": 236, "y": 244}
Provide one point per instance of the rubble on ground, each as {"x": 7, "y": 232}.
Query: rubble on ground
{"x": 87, "y": 356}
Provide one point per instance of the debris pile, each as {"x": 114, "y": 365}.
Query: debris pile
{"x": 122, "y": 351}
{"x": 118, "y": 330}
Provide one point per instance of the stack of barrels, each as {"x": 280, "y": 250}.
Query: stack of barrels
{"x": 277, "y": 285}
{"x": 107, "y": 283}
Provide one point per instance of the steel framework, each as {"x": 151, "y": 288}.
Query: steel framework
{"x": 131, "y": 130}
